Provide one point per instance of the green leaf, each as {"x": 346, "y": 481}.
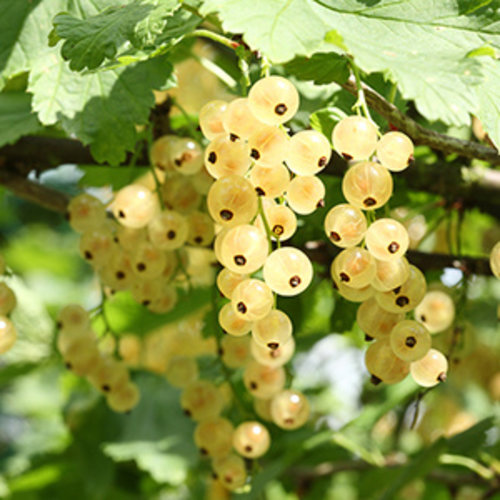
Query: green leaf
{"x": 101, "y": 109}
{"x": 88, "y": 42}
{"x": 472, "y": 439}
{"x": 321, "y": 68}
{"x": 16, "y": 117}
{"x": 281, "y": 30}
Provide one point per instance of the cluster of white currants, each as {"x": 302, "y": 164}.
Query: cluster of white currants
{"x": 372, "y": 268}
{"x": 78, "y": 345}
{"x": 8, "y": 332}
{"x": 495, "y": 260}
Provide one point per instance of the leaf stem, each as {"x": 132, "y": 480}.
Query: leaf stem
{"x": 392, "y": 93}
{"x": 266, "y": 224}
{"x": 216, "y": 37}
{"x": 361, "y": 102}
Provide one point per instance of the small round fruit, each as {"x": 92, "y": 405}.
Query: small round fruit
{"x": 273, "y": 100}
{"x": 271, "y": 182}
{"x": 352, "y": 294}
{"x": 395, "y": 151}
{"x": 210, "y": 118}
{"x": 430, "y": 370}
{"x": 186, "y": 156}
{"x": 288, "y": 271}
{"x": 96, "y": 245}
{"x": 376, "y": 323}
{"x": 251, "y": 439}
{"x": 410, "y": 340}
{"x": 231, "y": 323}
{"x": 108, "y": 375}
{"x": 406, "y": 297}
{"x": 235, "y": 351}
{"x": 281, "y": 220}
{"x": 168, "y": 230}
{"x": 387, "y": 239}
{"x": 305, "y": 194}
{"x": 273, "y": 331}
{"x": 148, "y": 261}
{"x": 355, "y": 138}
{"x": 179, "y": 194}
{"x": 290, "y": 409}
{"x": 125, "y": 399}
{"x": 129, "y": 349}
{"x": 436, "y": 311}
{"x": 7, "y": 299}
{"x": 201, "y": 400}
{"x": 383, "y": 364}
{"x": 495, "y": 260}
{"x": 244, "y": 249}
{"x": 354, "y": 266}
{"x": 232, "y": 200}
{"x": 134, "y": 206}
{"x": 214, "y": 437}
{"x": 74, "y": 318}
{"x": 181, "y": 371}
{"x": 252, "y": 300}
{"x": 268, "y": 146}
{"x": 85, "y": 212}
{"x": 227, "y": 281}
{"x": 263, "y": 381}
{"x": 159, "y": 153}
{"x": 231, "y": 471}
{"x": 224, "y": 157}
{"x": 8, "y": 334}
{"x": 273, "y": 357}
{"x": 345, "y": 225}
{"x": 239, "y": 121}
{"x": 308, "y": 153}
{"x": 390, "y": 274}
{"x": 201, "y": 229}
{"x": 367, "y": 185}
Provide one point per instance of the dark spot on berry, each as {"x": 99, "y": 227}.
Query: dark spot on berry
{"x": 368, "y": 338}
{"x": 273, "y": 345}
{"x": 67, "y": 216}
{"x": 204, "y": 452}
{"x": 344, "y": 277}
{"x": 141, "y": 266}
{"x": 146, "y": 302}
{"x": 402, "y": 301}
{"x": 375, "y": 380}
{"x": 212, "y": 157}
{"x": 289, "y": 421}
{"x": 410, "y": 342}
{"x": 105, "y": 387}
{"x": 295, "y": 281}
{"x": 396, "y": 290}
{"x": 178, "y": 162}
{"x": 233, "y": 137}
{"x": 335, "y": 236}
{"x": 226, "y": 214}
{"x": 253, "y": 385}
{"x": 260, "y": 191}
{"x": 248, "y": 448}
{"x": 215, "y": 475}
{"x": 346, "y": 156}
{"x": 220, "y": 351}
{"x": 121, "y": 214}
{"x": 322, "y": 161}
{"x": 187, "y": 413}
{"x": 411, "y": 160}
{"x": 68, "y": 365}
{"x": 240, "y": 260}
{"x": 241, "y": 307}
{"x": 255, "y": 154}
{"x": 278, "y": 230}
{"x": 116, "y": 239}
{"x": 320, "y": 204}
{"x": 170, "y": 234}
{"x": 228, "y": 479}
{"x": 198, "y": 240}
{"x": 280, "y": 109}
{"x": 59, "y": 325}
{"x": 422, "y": 318}
{"x": 393, "y": 247}
{"x": 120, "y": 275}
{"x": 441, "y": 377}
{"x": 369, "y": 202}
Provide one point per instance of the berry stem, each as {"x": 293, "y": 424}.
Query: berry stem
{"x": 216, "y": 37}
{"x": 189, "y": 123}
{"x": 149, "y": 139}
{"x": 392, "y": 93}
{"x": 266, "y": 224}
{"x": 361, "y": 102}
{"x": 216, "y": 70}
{"x": 265, "y": 67}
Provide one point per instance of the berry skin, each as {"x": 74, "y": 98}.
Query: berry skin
{"x": 273, "y": 100}
{"x": 251, "y": 439}
{"x": 224, "y": 157}
{"x": 355, "y": 267}
{"x": 390, "y": 274}
{"x": 168, "y": 230}
{"x": 263, "y": 381}
{"x": 125, "y": 399}
{"x": 214, "y": 437}
{"x": 227, "y": 281}
{"x": 201, "y": 400}
{"x": 262, "y": 408}
{"x": 239, "y": 121}
{"x": 8, "y": 334}
{"x": 181, "y": 371}
{"x": 210, "y": 118}
{"x": 355, "y": 138}
{"x": 495, "y": 260}
{"x": 367, "y": 185}
{"x": 350, "y": 293}
{"x": 288, "y": 271}
{"x": 436, "y": 311}
{"x": 282, "y": 222}
{"x": 231, "y": 471}
{"x": 430, "y": 370}
{"x": 7, "y": 299}
{"x": 235, "y": 351}
{"x": 85, "y": 212}
{"x": 305, "y": 194}
{"x": 134, "y": 206}
{"x": 231, "y": 323}
{"x": 405, "y": 297}
{"x": 159, "y": 153}
{"x": 268, "y": 146}
{"x": 232, "y": 200}
{"x": 2, "y": 265}
{"x": 410, "y": 340}
{"x": 345, "y": 225}
{"x": 376, "y": 323}
{"x": 273, "y": 357}
{"x": 290, "y": 409}
{"x": 309, "y": 152}
{"x": 186, "y": 156}
{"x": 271, "y": 182}
{"x": 383, "y": 364}
{"x": 244, "y": 249}
{"x": 201, "y": 229}
{"x": 96, "y": 245}
{"x": 179, "y": 194}
{"x": 387, "y": 239}
{"x": 108, "y": 375}
{"x": 148, "y": 261}
{"x": 273, "y": 331}
{"x": 129, "y": 349}
{"x": 252, "y": 300}
{"x": 395, "y": 151}
{"x": 73, "y": 318}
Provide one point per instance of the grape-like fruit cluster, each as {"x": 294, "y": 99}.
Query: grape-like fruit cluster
{"x": 372, "y": 268}
{"x": 8, "y": 301}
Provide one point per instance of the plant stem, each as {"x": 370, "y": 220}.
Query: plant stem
{"x": 216, "y": 37}
{"x": 265, "y": 66}
{"x": 266, "y": 224}
{"x": 192, "y": 129}
{"x": 392, "y": 93}
{"x": 361, "y": 102}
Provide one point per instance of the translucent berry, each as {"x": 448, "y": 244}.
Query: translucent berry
{"x": 431, "y": 369}
{"x": 8, "y": 334}
{"x": 239, "y": 121}
{"x": 383, "y": 364}
{"x": 210, "y": 118}
{"x": 268, "y": 356}
{"x": 214, "y": 437}
{"x": 263, "y": 381}
{"x": 124, "y": 399}
{"x": 355, "y": 267}
{"x": 410, "y": 340}
{"x": 308, "y": 153}
{"x": 224, "y": 157}
{"x": 252, "y": 300}
{"x": 305, "y": 194}
{"x": 134, "y": 206}
{"x": 387, "y": 239}
{"x": 168, "y": 230}
{"x": 495, "y": 260}
{"x": 290, "y": 409}
{"x": 179, "y": 194}
{"x": 232, "y": 323}
{"x": 436, "y": 311}
{"x": 395, "y": 151}
{"x": 231, "y": 471}
{"x": 85, "y": 212}
{"x": 181, "y": 371}
{"x": 201, "y": 400}
{"x": 281, "y": 220}
{"x": 235, "y": 351}
{"x": 251, "y": 439}
{"x": 227, "y": 281}
{"x": 390, "y": 274}
{"x": 7, "y": 299}
{"x": 201, "y": 229}
{"x": 186, "y": 156}
{"x": 273, "y": 331}
{"x": 268, "y": 146}
{"x": 270, "y": 181}
{"x": 355, "y": 138}
{"x": 376, "y": 323}
{"x": 345, "y": 225}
